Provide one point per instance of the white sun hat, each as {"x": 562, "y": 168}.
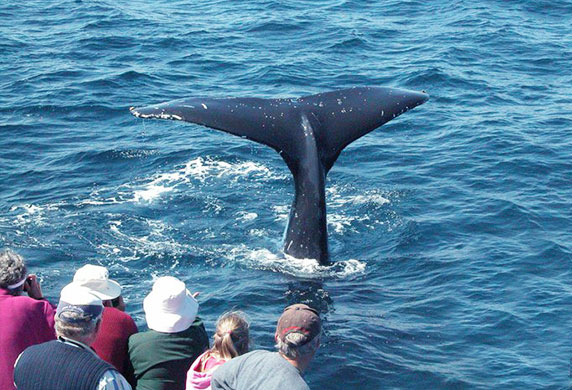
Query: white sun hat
{"x": 170, "y": 307}
{"x": 96, "y": 278}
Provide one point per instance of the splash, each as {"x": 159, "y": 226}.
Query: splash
{"x": 200, "y": 171}
{"x": 244, "y": 216}
{"x": 372, "y": 198}
{"x": 30, "y": 214}
{"x": 281, "y": 212}
{"x": 263, "y": 259}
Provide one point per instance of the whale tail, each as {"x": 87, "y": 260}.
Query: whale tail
{"x": 309, "y": 133}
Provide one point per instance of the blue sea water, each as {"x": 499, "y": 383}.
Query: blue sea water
{"x": 450, "y": 227}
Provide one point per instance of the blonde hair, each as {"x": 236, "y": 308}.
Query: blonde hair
{"x": 231, "y": 338}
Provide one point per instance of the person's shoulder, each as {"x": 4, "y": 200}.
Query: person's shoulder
{"x": 142, "y": 338}
{"x": 24, "y": 300}
{"x": 198, "y": 323}
{"x": 142, "y": 343}
{"x": 230, "y": 370}
{"x": 261, "y": 354}
{"x": 36, "y": 347}
{"x": 28, "y": 303}
{"x": 113, "y": 311}
{"x": 197, "y": 327}
{"x": 117, "y": 315}
{"x": 115, "y": 322}
{"x": 258, "y": 354}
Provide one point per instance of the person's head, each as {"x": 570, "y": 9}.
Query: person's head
{"x": 170, "y": 307}
{"x": 96, "y": 279}
{"x": 298, "y": 332}
{"x": 231, "y": 338}
{"x": 13, "y": 271}
{"x": 78, "y": 314}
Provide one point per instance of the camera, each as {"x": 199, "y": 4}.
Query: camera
{"x": 28, "y": 283}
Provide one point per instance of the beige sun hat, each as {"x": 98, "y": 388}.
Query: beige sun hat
{"x": 170, "y": 307}
{"x": 96, "y": 278}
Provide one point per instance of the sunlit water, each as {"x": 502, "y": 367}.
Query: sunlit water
{"x": 450, "y": 227}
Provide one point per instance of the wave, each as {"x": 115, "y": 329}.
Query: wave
{"x": 350, "y": 44}
{"x": 275, "y": 26}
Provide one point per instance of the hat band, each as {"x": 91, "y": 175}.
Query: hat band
{"x": 86, "y": 312}
{"x": 292, "y": 329}
{"x": 16, "y": 285}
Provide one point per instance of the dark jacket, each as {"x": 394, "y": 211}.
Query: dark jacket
{"x": 56, "y": 365}
{"x": 161, "y": 360}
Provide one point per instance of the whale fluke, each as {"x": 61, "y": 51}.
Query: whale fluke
{"x": 309, "y": 133}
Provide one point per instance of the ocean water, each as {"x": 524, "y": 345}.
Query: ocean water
{"x": 450, "y": 227}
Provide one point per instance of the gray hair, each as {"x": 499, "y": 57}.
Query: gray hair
{"x": 76, "y": 326}
{"x": 292, "y": 346}
{"x": 12, "y": 268}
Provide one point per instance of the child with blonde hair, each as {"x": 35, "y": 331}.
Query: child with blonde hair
{"x": 231, "y": 339}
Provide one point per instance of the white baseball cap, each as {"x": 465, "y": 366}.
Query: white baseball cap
{"x": 170, "y": 307}
{"x": 78, "y": 300}
{"x": 96, "y": 278}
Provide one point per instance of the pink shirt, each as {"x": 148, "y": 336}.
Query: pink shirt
{"x": 200, "y": 373}
{"x": 24, "y": 321}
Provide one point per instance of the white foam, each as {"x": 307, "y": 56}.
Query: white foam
{"x": 337, "y": 199}
{"x": 258, "y": 232}
{"x": 306, "y": 268}
{"x": 244, "y": 216}
{"x": 369, "y": 198}
{"x": 281, "y": 212}
{"x": 32, "y": 214}
{"x": 200, "y": 170}
{"x": 95, "y": 202}
{"x": 339, "y": 221}
{"x": 130, "y": 247}
{"x": 162, "y": 183}
{"x": 150, "y": 193}
{"x": 28, "y": 208}
{"x": 342, "y": 223}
